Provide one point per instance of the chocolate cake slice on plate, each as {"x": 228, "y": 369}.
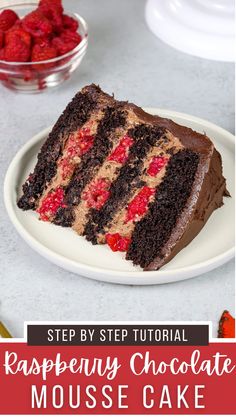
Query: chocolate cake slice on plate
{"x": 117, "y": 175}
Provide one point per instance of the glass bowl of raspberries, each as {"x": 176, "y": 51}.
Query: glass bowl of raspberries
{"x": 40, "y": 44}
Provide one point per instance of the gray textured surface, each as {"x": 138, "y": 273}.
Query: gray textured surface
{"x": 125, "y": 58}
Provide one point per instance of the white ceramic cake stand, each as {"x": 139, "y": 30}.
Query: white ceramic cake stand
{"x": 204, "y": 28}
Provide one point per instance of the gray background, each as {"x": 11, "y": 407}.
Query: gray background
{"x": 125, "y": 58}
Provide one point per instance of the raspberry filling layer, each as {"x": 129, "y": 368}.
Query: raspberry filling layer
{"x": 78, "y": 144}
{"x": 120, "y": 153}
{"x": 139, "y": 204}
{"x": 51, "y": 203}
{"x": 117, "y": 243}
{"x": 156, "y": 165}
{"x": 97, "y": 193}
{"x": 66, "y": 167}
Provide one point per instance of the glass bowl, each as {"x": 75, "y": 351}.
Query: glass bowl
{"x": 34, "y": 77}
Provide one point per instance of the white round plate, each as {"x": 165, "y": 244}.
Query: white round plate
{"x": 211, "y": 248}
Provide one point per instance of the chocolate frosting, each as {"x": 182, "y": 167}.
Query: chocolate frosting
{"x": 208, "y": 189}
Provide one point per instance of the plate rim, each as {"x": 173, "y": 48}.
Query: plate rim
{"x": 103, "y": 274}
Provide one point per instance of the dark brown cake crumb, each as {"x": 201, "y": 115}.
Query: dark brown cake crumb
{"x": 153, "y": 231}
{"x": 75, "y": 115}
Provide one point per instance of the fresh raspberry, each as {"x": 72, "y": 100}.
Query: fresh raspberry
{"x": 42, "y": 41}
{"x": 7, "y": 19}
{"x": 51, "y": 203}
{"x": 17, "y": 32}
{"x": 117, "y": 243}
{"x": 37, "y": 24}
{"x": 2, "y": 54}
{"x": 139, "y": 204}
{"x": 63, "y": 46}
{"x": 68, "y": 35}
{"x": 3, "y": 76}
{"x": 97, "y": 193}
{"x": 43, "y": 53}
{"x": 28, "y": 74}
{"x": 156, "y": 165}
{"x": 52, "y": 5}
{"x": 52, "y": 10}
{"x": 41, "y": 83}
{"x": 1, "y": 39}
{"x": 17, "y": 24}
{"x": 120, "y": 154}
{"x": 17, "y": 51}
{"x": 69, "y": 22}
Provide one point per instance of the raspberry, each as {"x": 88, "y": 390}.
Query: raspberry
{"x": 52, "y": 5}
{"x": 120, "y": 154}
{"x": 69, "y": 22}
{"x": 97, "y": 193}
{"x": 79, "y": 143}
{"x": 2, "y": 54}
{"x": 156, "y": 165}
{"x": 17, "y": 51}
{"x": 43, "y": 53}
{"x": 63, "y": 47}
{"x": 52, "y": 10}
{"x": 1, "y": 39}
{"x": 139, "y": 205}
{"x": 42, "y": 41}
{"x": 37, "y": 24}
{"x": 117, "y": 243}
{"x": 41, "y": 84}
{"x": 7, "y": 19}
{"x": 68, "y": 35}
{"x": 17, "y": 32}
{"x": 17, "y": 24}
{"x": 3, "y": 76}
{"x": 51, "y": 203}
{"x": 46, "y": 31}
{"x": 28, "y": 74}
{"x": 66, "y": 167}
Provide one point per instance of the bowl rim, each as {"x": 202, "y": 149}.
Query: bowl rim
{"x": 79, "y": 48}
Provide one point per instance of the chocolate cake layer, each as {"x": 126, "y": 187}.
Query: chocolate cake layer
{"x": 76, "y": 146}
{"x": 75, "y": 115}
{"x": 200, "y": 205}
{"x": 153, "y": 231}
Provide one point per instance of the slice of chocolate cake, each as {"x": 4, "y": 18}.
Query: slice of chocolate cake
{"x": 117, "y": 175}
